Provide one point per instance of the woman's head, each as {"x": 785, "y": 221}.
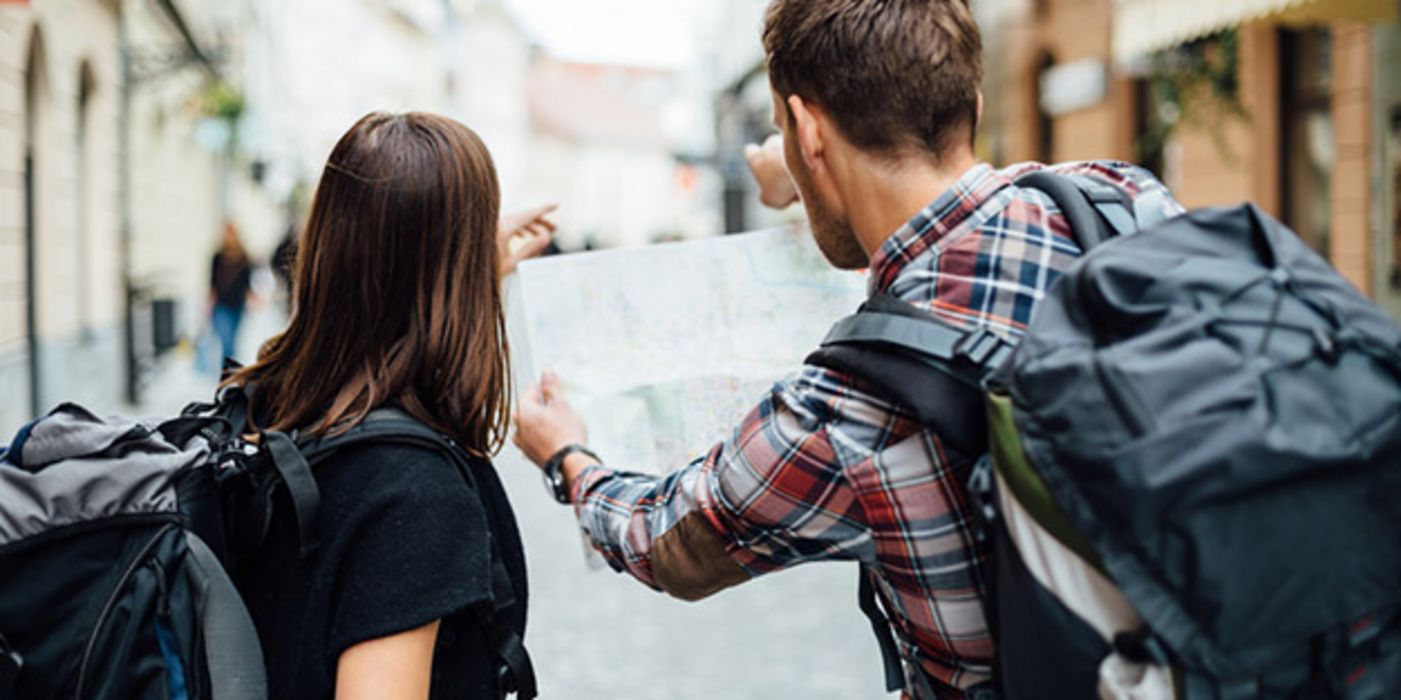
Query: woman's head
{"x": 397, "y": 289}
{"x": 229, "y": 242}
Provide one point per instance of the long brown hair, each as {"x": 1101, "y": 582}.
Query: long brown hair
{"x": 397, "y": 290}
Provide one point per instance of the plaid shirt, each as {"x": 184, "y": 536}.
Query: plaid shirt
{"x": 822, "y": 470}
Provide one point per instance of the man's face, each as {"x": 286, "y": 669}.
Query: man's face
{"x": 832, "y": 231}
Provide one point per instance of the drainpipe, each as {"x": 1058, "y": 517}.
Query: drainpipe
{"x": 124, "y": 193}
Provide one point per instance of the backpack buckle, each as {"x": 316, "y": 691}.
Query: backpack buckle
{"x": 1141, "y": 647}
{"x": 11, "y": 664}
{"x": 978, "y": 346}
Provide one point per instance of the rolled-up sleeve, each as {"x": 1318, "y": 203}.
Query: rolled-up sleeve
{"x": 772, "y": 495}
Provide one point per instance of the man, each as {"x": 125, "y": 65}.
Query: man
{"x": 878, "y": 104}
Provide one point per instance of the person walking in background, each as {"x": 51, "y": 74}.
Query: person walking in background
{"x": 284, "y": 257}
{"x": 230, "y": 287}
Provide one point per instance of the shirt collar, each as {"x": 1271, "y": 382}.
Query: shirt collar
{"x": 944, "y": 214}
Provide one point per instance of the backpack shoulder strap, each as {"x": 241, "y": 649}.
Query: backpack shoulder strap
{"x": 888, "y": 323}
{"x": 1095, "y": 210}
{"x": 232, "y": 652}
{"x": 386, "y": 426}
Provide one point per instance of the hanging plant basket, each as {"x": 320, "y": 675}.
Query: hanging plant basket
{"x": 1196, "y": 85}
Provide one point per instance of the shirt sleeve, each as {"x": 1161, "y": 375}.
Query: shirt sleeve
{"x": 418, "y": 552}
{"x": 773, "y": 495}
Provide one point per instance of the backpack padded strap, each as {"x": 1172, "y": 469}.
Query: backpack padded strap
{"x": 968, "y": 355}
{"x": 295, "y": 472}
{"x": 233, "y": 654}
{"x": 1096, "y": 211}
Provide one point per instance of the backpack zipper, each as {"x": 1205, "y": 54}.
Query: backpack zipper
{"x": 111, "y": 601}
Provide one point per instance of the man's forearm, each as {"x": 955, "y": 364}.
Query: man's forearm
{"x": 655, "y": 529}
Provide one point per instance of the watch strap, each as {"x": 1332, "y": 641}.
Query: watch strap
{"x": 554, "y": 467}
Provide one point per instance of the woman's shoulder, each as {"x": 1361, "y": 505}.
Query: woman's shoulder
{"x": 377, "y": 475}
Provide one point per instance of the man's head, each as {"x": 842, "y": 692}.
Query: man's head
{"x": 869, "y": 83}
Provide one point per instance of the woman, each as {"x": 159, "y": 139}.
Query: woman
{"x": 230, "y": 284}
{"x": 398, "y": 303}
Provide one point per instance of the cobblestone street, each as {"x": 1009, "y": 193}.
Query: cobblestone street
{"x": 596, "y": 635}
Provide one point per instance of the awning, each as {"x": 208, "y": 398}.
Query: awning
{"x": 1144, "y": 26}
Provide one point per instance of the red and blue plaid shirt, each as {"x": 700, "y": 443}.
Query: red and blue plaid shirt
{"x": 822, "y": 470}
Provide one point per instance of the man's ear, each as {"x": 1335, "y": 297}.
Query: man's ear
{"x": 807, "y": 131}
{"x": 979, "y": 122}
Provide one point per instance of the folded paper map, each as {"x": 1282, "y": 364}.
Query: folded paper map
{"x": 664, "y": 349}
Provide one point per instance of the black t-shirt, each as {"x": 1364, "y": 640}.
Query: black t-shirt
{"x": 404, "y": 542}
{"x": 230, "y": 278}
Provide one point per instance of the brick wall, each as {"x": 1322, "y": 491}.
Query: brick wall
{"x": 1351, "y": 227}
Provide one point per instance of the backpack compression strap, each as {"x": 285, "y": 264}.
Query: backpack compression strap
{"x": 392, "y": 426}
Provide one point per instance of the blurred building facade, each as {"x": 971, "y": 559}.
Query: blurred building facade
{"x": 103, "y": 185}
{"x": 60, "y": 284}
{"x": 130, "y": 130}
{"x": 1291, "y": 105}
{"x": 599, "y": 147}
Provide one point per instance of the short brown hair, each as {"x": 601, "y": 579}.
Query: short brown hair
{"x": 893, "y": 74}
{"x": 397, "y": 286}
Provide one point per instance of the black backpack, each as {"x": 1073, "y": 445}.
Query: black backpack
{"x": 114, "y": 554}
{"x": 1189, "y": 469}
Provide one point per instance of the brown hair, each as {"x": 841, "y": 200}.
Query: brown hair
{"x": 893, "y": 74}
{"x": 397, "y": 286}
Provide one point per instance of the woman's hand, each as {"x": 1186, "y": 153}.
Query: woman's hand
{"x": 545, "y": 422}
{"x": 397, "y": 667}
{"x": 524, "y": 235}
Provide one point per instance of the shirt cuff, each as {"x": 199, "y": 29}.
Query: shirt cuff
{"x": 584, "y": 480}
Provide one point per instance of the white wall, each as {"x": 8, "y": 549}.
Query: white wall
{"x": 76, "y": 282}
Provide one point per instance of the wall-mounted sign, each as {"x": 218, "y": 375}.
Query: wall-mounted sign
{"x": 1067, "y": 87}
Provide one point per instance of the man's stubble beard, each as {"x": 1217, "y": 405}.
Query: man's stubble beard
{"x": 834, "y": 236}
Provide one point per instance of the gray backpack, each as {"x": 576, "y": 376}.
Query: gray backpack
{"x": 1189, "y": 469}
{"x": 115, "y": 536}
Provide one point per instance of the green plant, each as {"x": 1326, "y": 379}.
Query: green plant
{"x": 221, "y": 100}
{"x": 1196, "y": 84}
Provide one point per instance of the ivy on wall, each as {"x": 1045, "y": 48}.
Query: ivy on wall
{"x": 1194, "y": 85}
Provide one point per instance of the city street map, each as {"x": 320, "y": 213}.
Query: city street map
{"x": 664, "y": 349}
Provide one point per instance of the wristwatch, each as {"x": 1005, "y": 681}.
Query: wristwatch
{"x": 554, "y": 471}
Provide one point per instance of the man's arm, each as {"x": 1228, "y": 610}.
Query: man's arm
{"x": 773, "y": 495}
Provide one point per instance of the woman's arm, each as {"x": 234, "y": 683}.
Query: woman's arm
{"x": 397, "y": 667}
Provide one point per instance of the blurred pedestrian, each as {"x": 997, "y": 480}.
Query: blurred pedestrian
{"x": 284, "y": 258}
{"x": 230, "y": 287}
{"x": 418, "y": 586}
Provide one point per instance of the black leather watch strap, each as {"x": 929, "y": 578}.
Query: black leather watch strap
{"x": 554, "y": 471}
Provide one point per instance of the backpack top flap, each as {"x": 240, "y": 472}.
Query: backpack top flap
{"x": 74, "y": 467}
{"x": 1219, "y": 413}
